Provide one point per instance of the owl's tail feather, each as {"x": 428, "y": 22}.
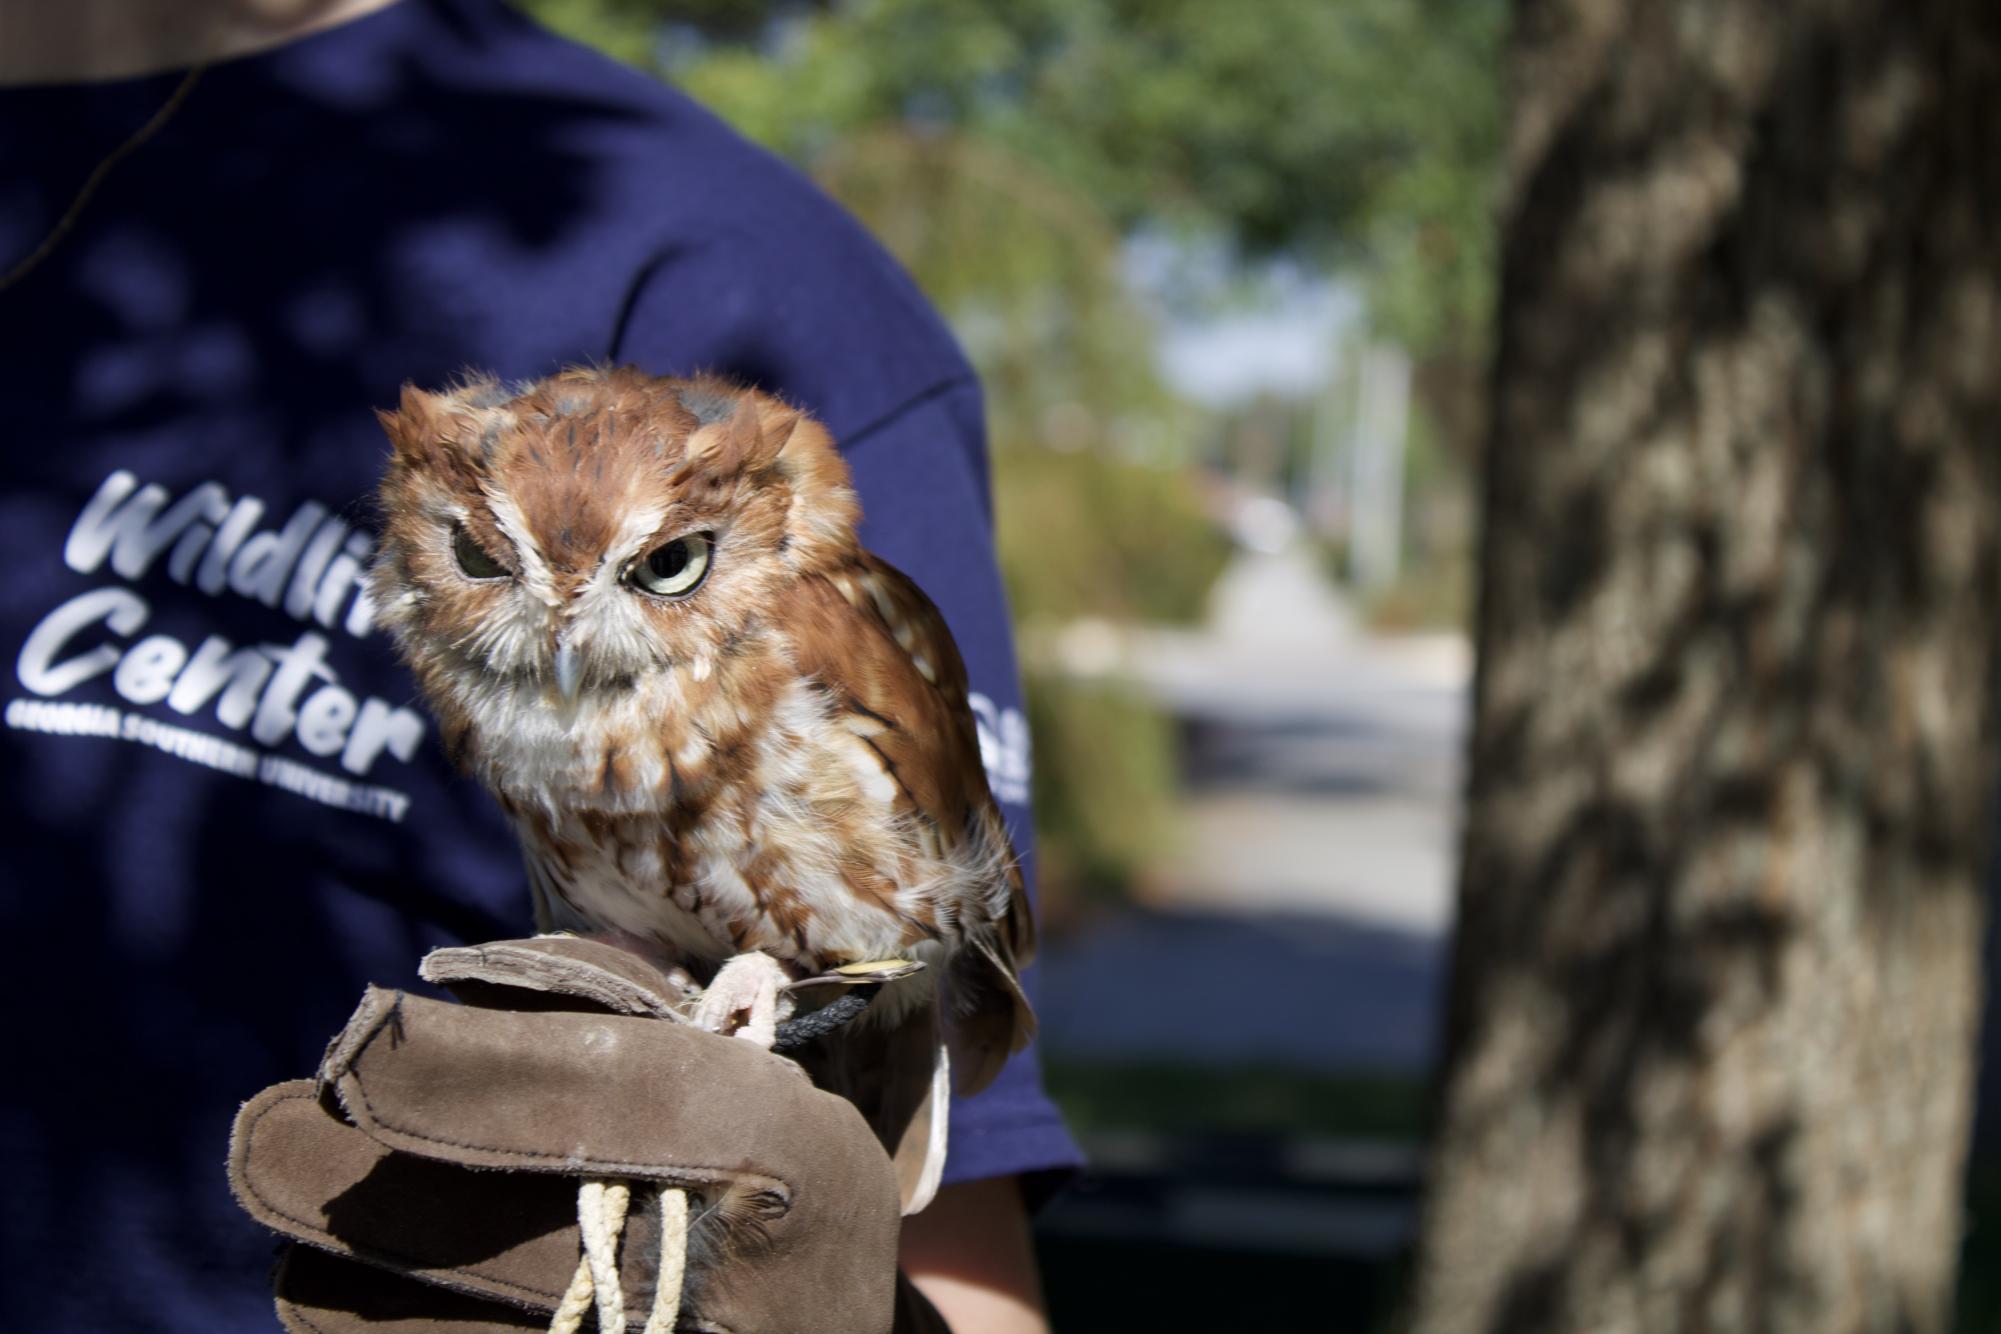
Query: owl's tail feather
{"x": 1001, "y": 870}
{"x": 1018, "y": 934}
{"x": 991, "y": 1017}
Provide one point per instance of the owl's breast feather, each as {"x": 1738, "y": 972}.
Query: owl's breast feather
{"x": 677, "y": 815}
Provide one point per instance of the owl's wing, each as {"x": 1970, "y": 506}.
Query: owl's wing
{"x": 878, "y": 643}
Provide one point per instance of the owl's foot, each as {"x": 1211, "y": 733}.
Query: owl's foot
{"x": 751, "y": 986}
{"x": 855, "y": 985}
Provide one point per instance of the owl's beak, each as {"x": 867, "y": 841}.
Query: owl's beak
{"x": 569, "y": 669}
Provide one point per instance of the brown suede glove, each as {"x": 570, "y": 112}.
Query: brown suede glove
{"x": 434, "y": 1167}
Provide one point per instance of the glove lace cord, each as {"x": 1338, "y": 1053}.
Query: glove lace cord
{"x": 601, "y": 1211}
{"x": 673, "y": 1261}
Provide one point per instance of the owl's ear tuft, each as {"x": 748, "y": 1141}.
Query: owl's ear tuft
{"x": 733, "y": 441}
{"x": 415, "y": 427}
{"x": 824, "y": 510}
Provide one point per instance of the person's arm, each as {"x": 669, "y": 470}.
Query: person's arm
{"x": 970, "y": 1253}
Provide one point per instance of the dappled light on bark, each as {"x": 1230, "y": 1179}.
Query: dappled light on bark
{"x": 1716, "y": 985}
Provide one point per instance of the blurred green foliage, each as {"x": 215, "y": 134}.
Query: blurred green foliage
{"x": 1082, "y": 534}
{"x": 1360, "y": 131}
{"x": 1104, "y": 795}
{"x": 1028, "y": 272}
{"x": 1436, "y": 595}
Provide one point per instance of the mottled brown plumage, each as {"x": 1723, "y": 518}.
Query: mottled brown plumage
{"x": 778, "y": 757}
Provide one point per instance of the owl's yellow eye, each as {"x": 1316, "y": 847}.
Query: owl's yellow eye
{"x": 676, "y": 568}
{"x": 473, "y": 559}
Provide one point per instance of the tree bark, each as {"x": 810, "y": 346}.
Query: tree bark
{"x": 1716, "y": 983}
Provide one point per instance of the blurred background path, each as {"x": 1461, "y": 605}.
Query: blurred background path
{"x": 1310, "y": 898}
{"x": 1322, "y": 761}
{"x": 1246, "y": 1045}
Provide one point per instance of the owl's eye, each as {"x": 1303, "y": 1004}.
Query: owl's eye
{"x": 675, "y": 569}
{"x": 473, "y": 558}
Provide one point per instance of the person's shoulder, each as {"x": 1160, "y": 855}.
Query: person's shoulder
{"x": 743, "y": 262}
{"x": 494, "y": 49}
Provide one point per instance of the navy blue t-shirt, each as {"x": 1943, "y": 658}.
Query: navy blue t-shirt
{"x": 225, "y": 810}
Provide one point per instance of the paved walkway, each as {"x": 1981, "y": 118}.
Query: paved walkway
{"x": 1302, "y": 923}
{"x": 1324, "y": 762}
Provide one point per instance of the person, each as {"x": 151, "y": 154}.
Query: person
{"x": 229, "y": 229}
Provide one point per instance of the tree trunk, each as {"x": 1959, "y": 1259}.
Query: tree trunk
{"x": 1716, "y": 985}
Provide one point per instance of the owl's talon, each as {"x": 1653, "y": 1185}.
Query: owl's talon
{"x": 832, "y": 1017}
{"x": 752, "y": 985}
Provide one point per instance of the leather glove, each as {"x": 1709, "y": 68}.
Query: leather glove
{"x": 433, "y": 1168}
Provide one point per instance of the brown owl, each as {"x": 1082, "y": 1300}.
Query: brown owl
{"x": 721, "y": 728}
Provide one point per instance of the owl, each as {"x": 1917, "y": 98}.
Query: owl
{"x": 722, "y": 729}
